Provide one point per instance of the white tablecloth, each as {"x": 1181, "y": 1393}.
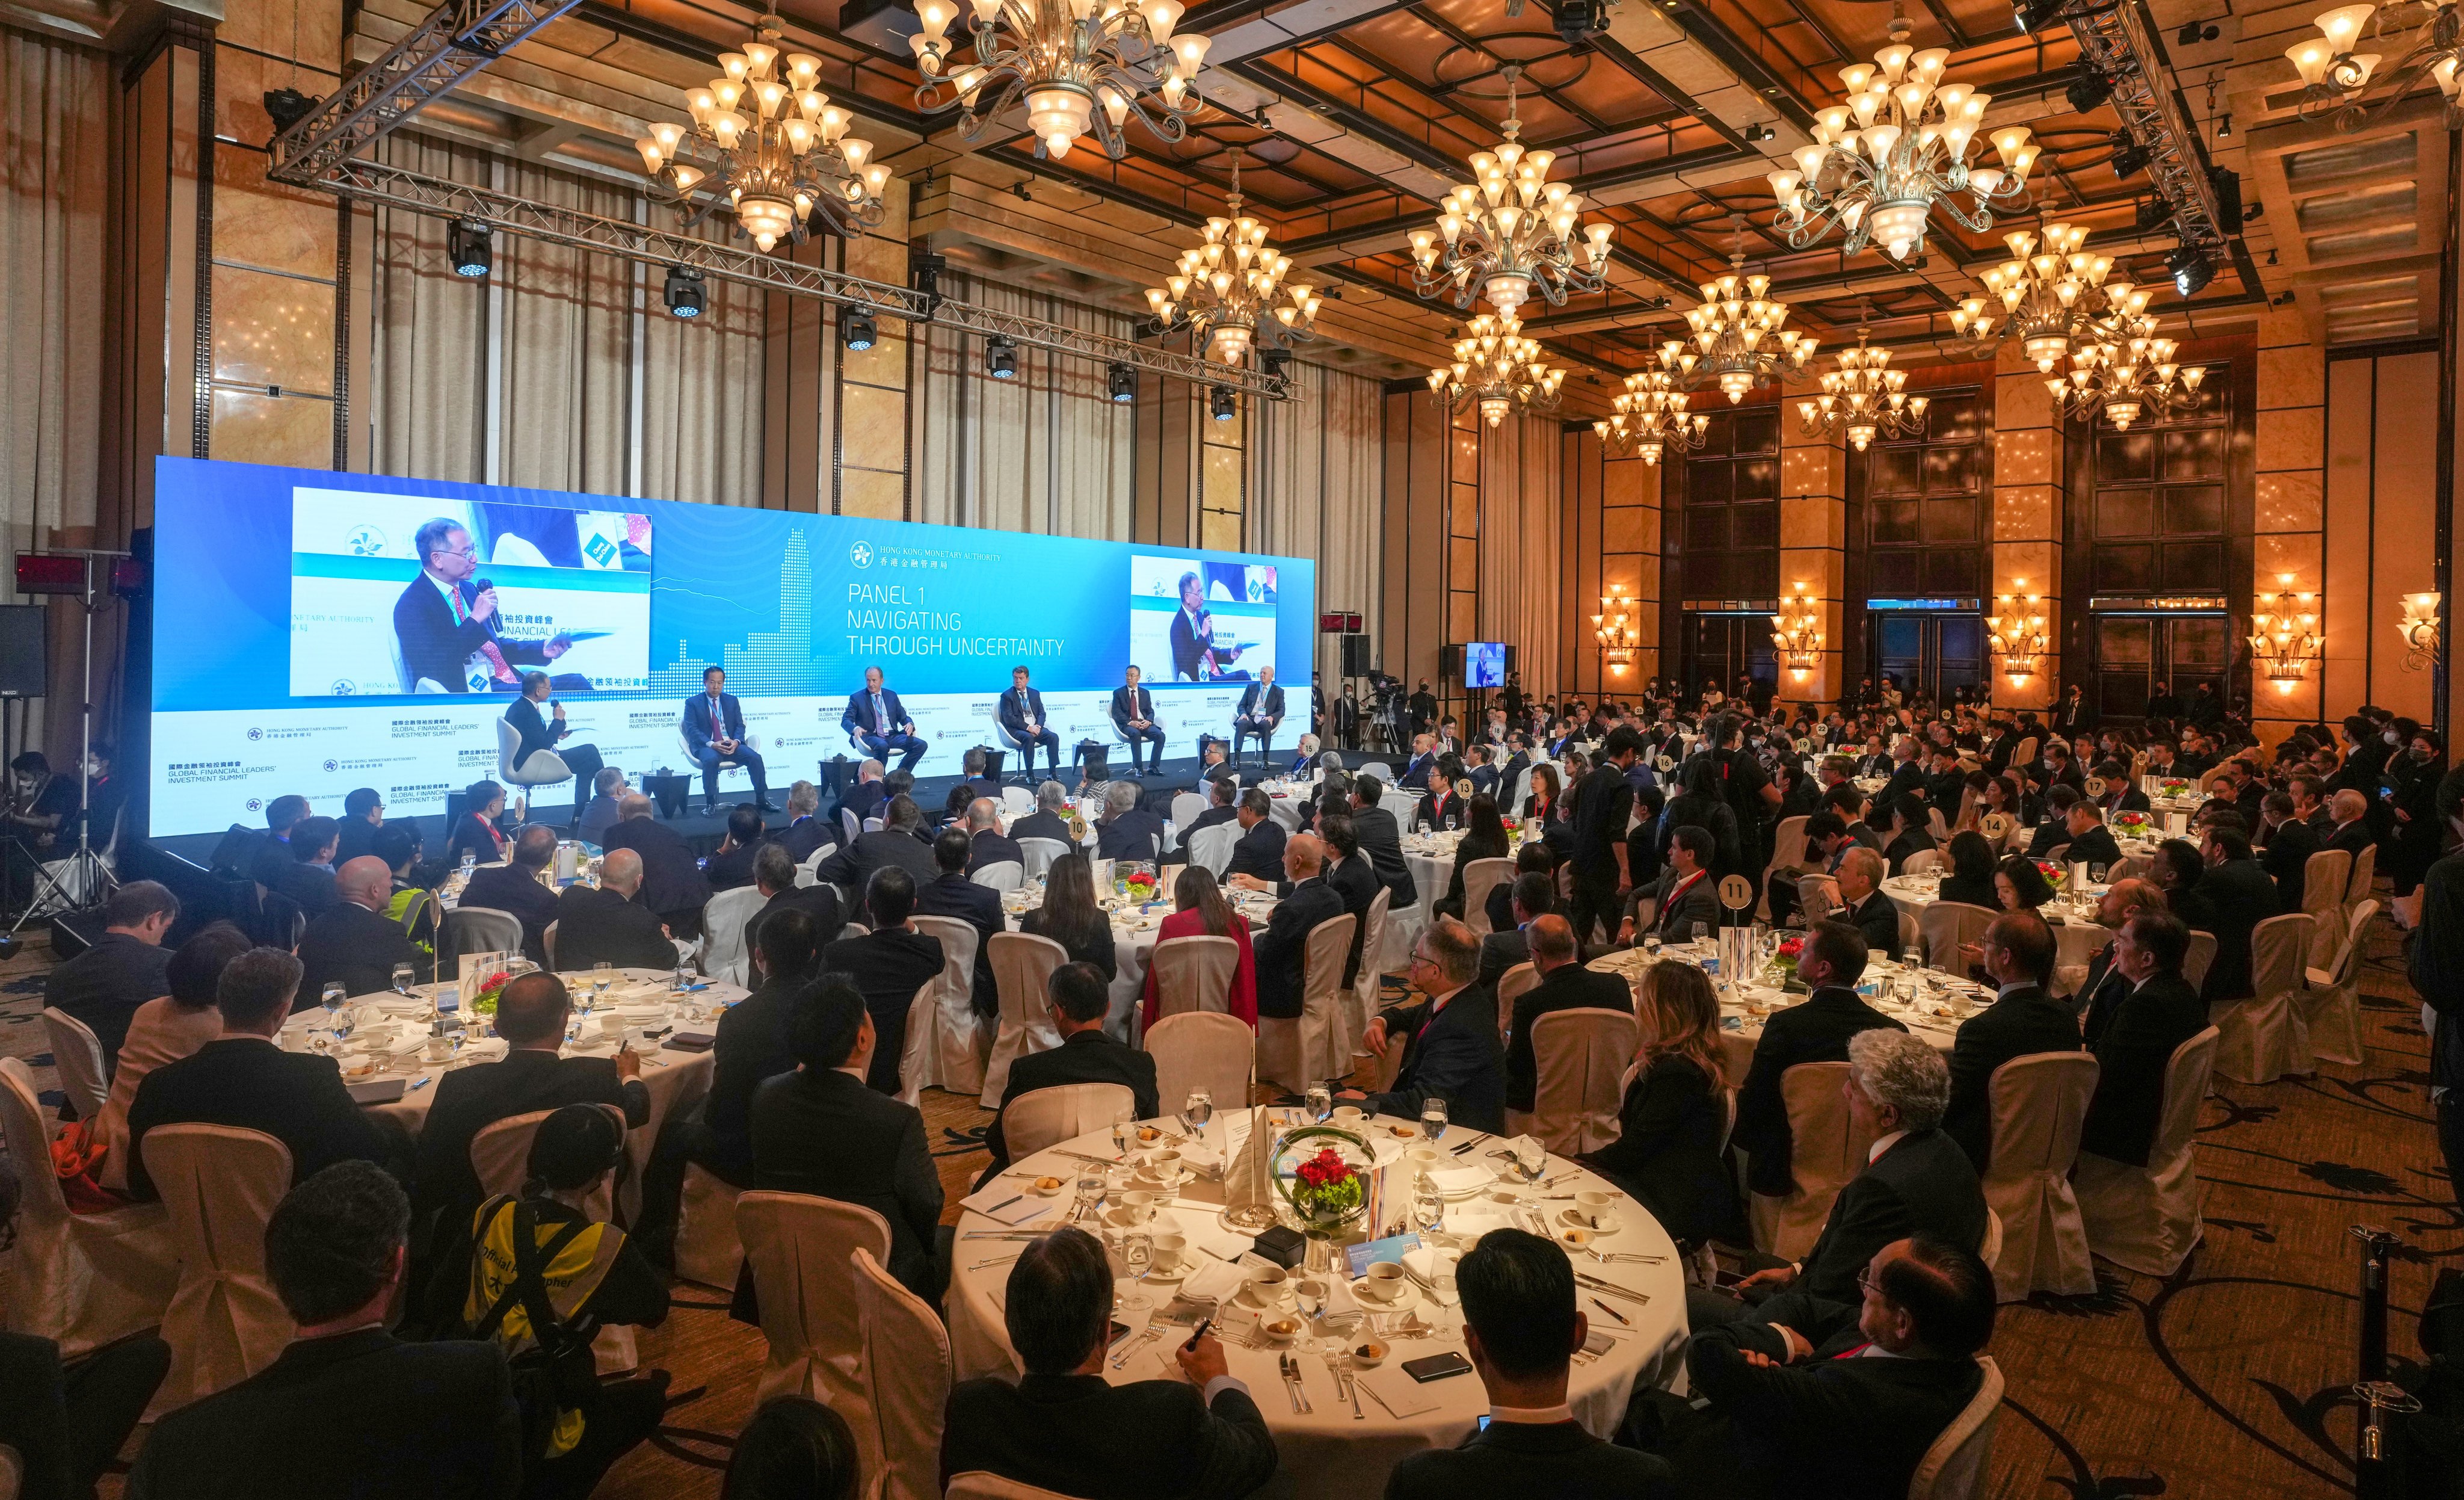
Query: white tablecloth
{"x": 2077, "y": 936}
{"x": 1741, "y": 1030}
{"x": 1328, "y": 1452}
{"x": 1133, "y": 939}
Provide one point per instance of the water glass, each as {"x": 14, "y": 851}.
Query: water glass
{"x": 1090, "y": 1193}
{"x": 470, "y": 862}
{"x": 402, "y": 978}
{"x": 1428, "y": 1207}
{"x": 603, "y": 974}
{"x": 1697, "y": 932}
{"x": 1199, "y": 1109}
{"x": 1433, "y": 1120}
{"x": 1137, "y": 1254}
{"x": 2096, "y": 875}
{"x": 1321, "y": 1103}
{"x": 1441, "y": 1281}
{"x": 1125, "y": 1129}
{"x": 1651, "y": 944}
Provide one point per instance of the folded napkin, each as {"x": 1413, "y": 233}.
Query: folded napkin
{"x": 995, "y": 1204}
{"x": 1451, "y": 1181}
{"x": 1213, "y": 1281}
{"x": 1339, "y": 1300}
{"x": 1207, "y": 1232}
{"x": 1398, "y": 1393}
{"x": 1470, "y": 1222}
{"x": 1204, "y": 1161}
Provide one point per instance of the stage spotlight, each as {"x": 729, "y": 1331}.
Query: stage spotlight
{"x": 2087, "y": 91}
{"x": 2034, "y": 16}
{"x": 2194, "y": 33}
{"x": 1001, "y": 358}
{"x": 857, "y": 328}
{"x": 1578, "y": 21}
{"x": 287, "y": 107}
{"x": 2128, "y": 155}
{"x": 684, "y": 291}
{"x": 2191, "y": 270}
{"x": 2154, "y": 214}
{"x": 1123, "y": 381}
{"x": 2224, "y": 125}
{"x": 467, "y": 243}
{"x": 1220, "y": 404}
{"x": 1758, "y": 132}
{"x": 2227, "y": 183}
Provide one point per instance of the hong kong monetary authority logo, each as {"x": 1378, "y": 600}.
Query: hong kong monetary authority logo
{"x": 861, "y": 554}
{"x": 365, "y": 541}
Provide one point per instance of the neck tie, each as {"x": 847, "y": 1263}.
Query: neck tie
{"x": 1852, "y": 1352}
{"x": 880, "y": 716}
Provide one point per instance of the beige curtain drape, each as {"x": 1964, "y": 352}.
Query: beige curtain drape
{"x": 1045, "y": 452}
{"x": 56, "y": 98}
{"x": 568, "y": 347}
{"x": 1318, "y": 467}
{"x": 428, "y": 414}
{"x": 701, "y": 395}
{"x": 1519, "y": 508}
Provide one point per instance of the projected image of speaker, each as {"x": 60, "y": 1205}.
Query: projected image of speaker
{"x": 25, "y": 651}
{"x": 1484, "y": 664}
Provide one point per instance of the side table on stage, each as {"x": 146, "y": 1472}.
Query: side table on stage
{"x": 669, "y": 790}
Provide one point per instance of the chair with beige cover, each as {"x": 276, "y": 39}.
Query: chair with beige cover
{"x": 2263, "y": 1037}
{"x": 2201, "y": 953}
{"x": 1582, "y": 1057}
{"x": 979, "y": 1485}
{"x": 1202, "y": 1049}
{"x": 500, "y": 1156}
{"x": 802, "y": 1249}
{"x": 2366, "y": 867}
{"x": 1826, "y": 1152}
{"x": 2330, "y": 1003}
{"x": 2038, "y": 1104}
{"x": 1947, "y": 924}
{"x": 1788, "y": 850}
{"x": 1360, "y": 1000}
{"x": 2147, "y": 1219}
{"x": 220, "y": 1185}
{"x": 1044, "y": 1118}
{"x": 919, "y": 1050}
{"x": 959, "y": 1044}
{"x": 1924, "y": 861}
{"x": 1194, "y": 973}
{"x": 77, "y": 1052}
{"x": 81, "y": 1280}
{"x": 2024, "y": 753}
{"x": 1479, "y": 878}
{"x": 906, "y": 1371}
{"x": 1022, "y": 966}
{"x": 1953, "y": 1465}
{"x": 2324, "y": 875}
{"x": 1290, "y": 1048}
{"x": 723, "y": 956}
{"x": 1911, "y": 935}
{"x": 1512, "y": 985}
{"x": 706, "y": 1250}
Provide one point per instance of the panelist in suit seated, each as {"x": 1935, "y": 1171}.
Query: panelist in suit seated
{"x": 514, "y": 887}
{"x": 1196, "y": 656}
{"x": 355, "y": 944}
{"x": 1134, "y": 715}
{"x": 544, "y": 735}
{"x": 2018, "y": 951}
{"x": 807, "y": 832}
{"x": 2134, "y": 1037}
{"x": 714, "y": 736}
{"x": 986, "y": 843}
{"x": 1855, "y": 1389}
{"x": 1063, "y": 1427}
{"x": 440, "y": 1417}
{"x": 731, "y": 865}
{"x": 1126, "y": 830}
{"x": 1564, "y": 984}
{"x": 1260, "y": 712}
{"x": 309, "y": 878}
{"x": 1282, "y": 950}
{"x": 611, "y": 924}
{"x": 1522, "y": 1329}
{"x": 1081, "y": 998}
{"x": 1051, "y": 819}
{"x": 1450, "y": 1036}
{"x": 879, "y": 723}
{"x": 1258, "y": 857}
{"x": 1022, "y": 724}
{"x": 445, "y": 623}
{"x": 672, "y": 882}
{"x": 888, "y": 965}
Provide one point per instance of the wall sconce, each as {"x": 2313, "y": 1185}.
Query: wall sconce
{"x": 1612, "y": 628}
{"x": 2284, "y": 637}
{"x": 2419, "y": 629}
{"x": 1798, "y": 631}
{"x": 2018, "y": 633}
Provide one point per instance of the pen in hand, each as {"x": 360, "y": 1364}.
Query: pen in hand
{"x": 1204, "y": 1325}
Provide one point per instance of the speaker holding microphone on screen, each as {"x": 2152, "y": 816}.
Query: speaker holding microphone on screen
{"x": 447, "y": 626}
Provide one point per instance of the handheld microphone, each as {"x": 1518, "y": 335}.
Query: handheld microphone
{"x": 484, "y": 586}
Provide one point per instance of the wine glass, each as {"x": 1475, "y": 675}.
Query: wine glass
{"x": 1321, "y": 1103}
{"x": 1433, "y": 1120}
{"x": 1696, "y": 931}
{"x": 2096, "y": 875}
{"x": 603, "y": 974}
{"x": 1530, "y": 1161}
{"x": 1441, "y": 1282}
{"x": 333, "y": 997}
{"x": 401, "y": 977}
{"x": 1198, "y": 1110}
{"x": 1428, "y": 1205}
{"x": 1138, "y": 1256}
{"x": 1124, "y": 1129}
{"x": 1090, "y": 1193}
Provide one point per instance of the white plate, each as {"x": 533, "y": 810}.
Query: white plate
{"x": 1407, "y": 1296}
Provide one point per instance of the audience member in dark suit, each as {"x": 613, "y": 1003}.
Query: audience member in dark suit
{"x": 951, "y": 893}
{"x": 749, "y": 1048}
{"x": 893, "y": 846}
{"x": 1259, "y": 853}
{"x": 2024, "y": 1020}
{"x": 120, "y": 970}
{"x": 1383, "y": 843}
{"x": 774, "y": 878}
{"x": 1917, "y": 1179}
{"x": 514, "y": 887}
{"x": 2091, "y": 842}
{"x": 1126, "y": 830}
{"x": 2103, "y": 986}
{"x": 440, "y": 1417}
{"x": 1222, "y": 807}
{"x": 1051, "y": 819}
{"x": 1565, "y": 984}
{"x": 1672, "y": 1120}
{"x": 309, "y": 878}
{"x": 1521, "y": 1329}
{"x": 262, "y": 860}
{"x": 1907, "y": 773}
{"x": 1682, "y": 899}
{"x": 606, "y": 807}
{"x": 2135, "y": 1040}
{"x": 356, "y": 943}
{"x": 2181, "y": 874}
{"x": 242, "y": 1078}
{"x": 1528, "y": 896}
{"x": 731, "y": 866}
{"x": 1087, "y": 1054}
{"x": 1862, "y": 905}
{"x": 807, "y": 832}
{"x": 362, "y": 815}
{"x": 1024, "y": 726}
{"x": 1354, "y": 879}
{"x": 1449, "y": 1037}
{"x": 2241, "y": 897}
{"x": 820, "y": 1130}
{"x": 475, "y": 832}
{"x": 1816, "y": 1031}
{"x": 986, "y": 843}
{"x": 887, "y": 965}
{"x": 1282, "y": 950}
{"x": 713, "y": 730}
{"x": 865, "y": 798}
{"x": 1063, "y": 1427}
{"x": 611, "y": 924}
{"x": 2286, "y": 857}
{"x": 2350, "y": 826}
{"x": 673, "y": 883}
{"x": 1910, "y": 833}
{"x": 1855, "y": 1389}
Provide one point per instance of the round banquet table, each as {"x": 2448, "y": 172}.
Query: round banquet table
{"x": 1134, "y": 927}
{"x": 1328, "y": 1452}
{"x": 2078, "y": 936}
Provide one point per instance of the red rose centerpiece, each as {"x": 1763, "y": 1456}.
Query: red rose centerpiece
{"x": 484, "y": 1001}
{"x": 1322, "y": 1174}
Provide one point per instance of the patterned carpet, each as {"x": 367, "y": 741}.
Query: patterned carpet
{"x": 2230, "y": 1380}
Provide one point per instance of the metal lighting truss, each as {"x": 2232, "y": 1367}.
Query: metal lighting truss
{"x": 326, "y": 151}
{"x": 2114, "y": 41}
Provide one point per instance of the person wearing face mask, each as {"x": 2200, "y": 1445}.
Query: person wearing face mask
{"x": 2413, "y": 802}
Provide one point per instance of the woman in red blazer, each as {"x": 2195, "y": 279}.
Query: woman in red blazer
{"x": 1199, "y": 910}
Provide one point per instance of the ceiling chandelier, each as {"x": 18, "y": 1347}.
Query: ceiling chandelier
{"x": 1510, "y": 231}
{"x": 1081, "y": 70}
{"x": 1881, "y": 162}
{"x": 1650, "y": 416}
{"x": 1735, "y": 339}
{"x": 1864, "y": 397}
{"x": 2335, "y": 77}
{"x": 1229, "y": 292}
{"x": 2052, "y": 294}
{"x": 1497, "y": 368}
{"x": 2284, "y": 637}
{"x": 781, "y": 148}
{"x": 2129, "y": 377}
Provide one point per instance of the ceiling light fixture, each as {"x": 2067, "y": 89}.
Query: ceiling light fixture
{"x": 685, "y": 292}
{"x": 1864, "y": 397}
{"x": 1897, "y": 150}
{"x": 1230, "y": 293}
{"x": 1650, "y": 418}
{"x": 1498, "y": 370}
{"x": 1509, "y": 231}
{"x": 1080, "y": 70}
{"x": 467, "y": 245}
{"x": 2053, "y": 294}
{"x": 1001, "y": 357}
{"x": 769, "y": 146}
{"x": 2129, "y": 377}
{"x": 2336, "y": 80}
{"x": 1735, "y": 339}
